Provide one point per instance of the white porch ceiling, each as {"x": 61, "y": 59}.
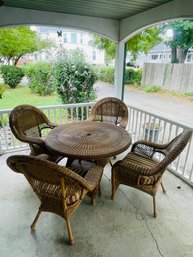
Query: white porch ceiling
{"x": 110, "y": 9}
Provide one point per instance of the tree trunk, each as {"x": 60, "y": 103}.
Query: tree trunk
{"x": 17, "y": 59}
{"x": 181, "y": 55}
{"x": 174, "y": 58}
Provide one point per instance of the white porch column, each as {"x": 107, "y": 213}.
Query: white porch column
{"x": 119, "y": 70}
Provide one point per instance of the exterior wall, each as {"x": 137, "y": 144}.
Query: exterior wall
{"x": 70, "y": 40}
{"x": 159, "y": 54}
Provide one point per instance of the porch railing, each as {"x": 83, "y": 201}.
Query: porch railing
{"x": 142, "y": 125}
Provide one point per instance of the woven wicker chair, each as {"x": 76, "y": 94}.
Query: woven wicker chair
{"x": 140, "y": 169}
{"x": 59, "y": 189}
{"x": 27, "y": 123}
{"x": 111, "y": 110}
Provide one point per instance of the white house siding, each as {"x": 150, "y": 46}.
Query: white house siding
{"x": 70, "y": 40}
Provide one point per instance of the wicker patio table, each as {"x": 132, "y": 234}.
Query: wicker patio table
{"x": 88, "y": 140}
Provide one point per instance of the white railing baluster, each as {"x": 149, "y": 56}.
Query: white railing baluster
{"x": 179, "y": 157}
{"x": 191, "y": 173}
{"x": 60, "y": 112}
{"x": 136, "y": 121}
{"x": 138, "y": 126}
{"x": 186, "y": 157}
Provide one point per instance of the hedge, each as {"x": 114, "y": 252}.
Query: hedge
{"x": 132, "y": 76}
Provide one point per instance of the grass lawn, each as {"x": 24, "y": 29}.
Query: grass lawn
{"x": 22, "y": 95}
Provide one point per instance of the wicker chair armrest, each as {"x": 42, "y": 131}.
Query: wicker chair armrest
{"x": 90, "y": 180}
{"x": 32, "y": 140}
{"x": 93, "y": 177}
{"x": 124, "y": 122}
{"x": 147, "y": 148}
{"x": 52, "y": 124}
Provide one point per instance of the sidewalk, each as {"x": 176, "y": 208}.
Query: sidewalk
{"x": 169, "y": 108}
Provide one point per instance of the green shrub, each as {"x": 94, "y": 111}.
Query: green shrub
{"x": 106, "y": 74}
{"x": 41, "y": 81}
{"x": 152, "y": 89}
{"x": 2, "y": 90}
{"x": 189, "y": 94}
{"x": 74, "y": 78}
{"x": 132, "y": 76}
{"x": 12, "y": 75}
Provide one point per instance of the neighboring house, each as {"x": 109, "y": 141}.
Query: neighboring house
{"x": 161, "y": 53}
{"x": 66, "y": 39}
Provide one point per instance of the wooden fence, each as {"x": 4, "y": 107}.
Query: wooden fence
{"x": 178, "y": 76}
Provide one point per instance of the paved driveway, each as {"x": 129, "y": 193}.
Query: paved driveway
{"x": 169, "y": 108}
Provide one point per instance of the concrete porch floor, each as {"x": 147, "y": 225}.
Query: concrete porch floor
{"x": 123, "y": 227}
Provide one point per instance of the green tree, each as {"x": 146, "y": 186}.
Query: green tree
{"x": 18, "y": 41}
{"x": 141, "y": 43}
{"x": 182, "y": 39}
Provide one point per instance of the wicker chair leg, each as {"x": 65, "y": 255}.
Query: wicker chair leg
{"x": 71, "y": 237}
{"x": 154, "y": 207}
{"x": 113, "y": 186}
{"x": 113, "y": 195}
{"x": 93, "y": 200}
{"x": 163, "y": 188}
{"x": 33, "y": 225}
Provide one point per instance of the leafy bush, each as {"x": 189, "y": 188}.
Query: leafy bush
{"x": 106, "y": 74}
{"x": 132, "y": 76}
{"x": 12, "y": 75}
{"x": 189, "y": 94}
{"x": 74, "y": 78}
{"x": 41, "y": 81}
{"x": 152, "y": 89}
{"x": 2, "y": 90}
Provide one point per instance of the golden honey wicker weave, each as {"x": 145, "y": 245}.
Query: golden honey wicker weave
{"x": 59, "y": 189}
{"x": 140, "y": 169}
{"x": 27, "y": 123}
{"x": 111, "y": 110}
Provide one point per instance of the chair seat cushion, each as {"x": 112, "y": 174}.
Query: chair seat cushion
{"x": 137, "y": 169}
{"x": 72, "y": 198}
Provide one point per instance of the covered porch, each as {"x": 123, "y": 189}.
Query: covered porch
{"x": 123, "y": 227}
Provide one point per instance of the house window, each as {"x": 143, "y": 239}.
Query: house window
{"x": 94, "y": 55}
{"x": 154, "y": 56}
{"x": 65, "y": 38}
{"x": 73, "y": 38}
{"x": 189, "y": 58}
{"x": 46, "y": 56}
